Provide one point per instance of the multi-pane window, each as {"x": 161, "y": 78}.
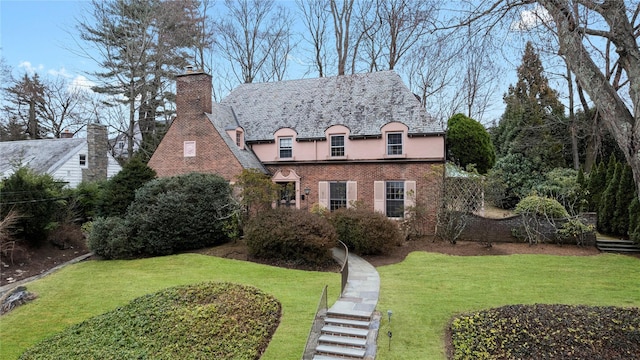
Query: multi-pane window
{"x": 394, "y": 192}
{"x": 394, "y": 143}
{"x": 286, "y": 147}
{"x": 337, "y": 195}
{"x": 337, "y": 145}
{"x": 238, "y": 138}
{"x": 83, "y": 160}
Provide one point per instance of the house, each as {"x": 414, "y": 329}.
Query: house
{"x": 71, "y": 160}
{"x": 330, "y": 141}
{"x": 119, "y": 145}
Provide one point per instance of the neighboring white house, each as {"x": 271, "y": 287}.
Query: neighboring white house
{"x": 70, "y": 160}
{"x": 119, "y": 146}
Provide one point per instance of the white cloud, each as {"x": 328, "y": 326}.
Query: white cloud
{"x": 62, "y": 72}
{"x": 29, "y": 68}
{"x": 530, "y": 19}
{"x": 80, "y": 83}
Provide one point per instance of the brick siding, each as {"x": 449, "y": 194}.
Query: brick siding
{"x": 365, "y": 174}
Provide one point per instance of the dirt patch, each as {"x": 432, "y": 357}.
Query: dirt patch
{"x": 27, "y": 262}
{"x": 238, "y": 250}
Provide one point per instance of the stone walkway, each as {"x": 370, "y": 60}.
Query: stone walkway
{"x": 360, "y": 296}
{"x": 352, "y": 323}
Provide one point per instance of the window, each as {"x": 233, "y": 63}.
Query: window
{"x": 394, "y": 205}
{"x": 83, "y": 160}
{"x": 238, "y": 138}
{"x": 337, "y": 195}
{"x": 286, "y": 147}
{"x": 120, "y": 145}
{"x": 394, "y": 144}
{"x": 337, "y": 145}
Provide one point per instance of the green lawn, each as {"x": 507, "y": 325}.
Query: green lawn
{"x": 426, "y": 290}
{"x": 83, "y": 290}
{"x": 423, "y": 292}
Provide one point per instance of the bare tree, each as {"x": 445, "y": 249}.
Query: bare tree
{"x": 249, "y": 34}
{"x": 315, "y": 17}
{"x": 405, "y": 24}
{"x": 61, "y": 107}
{"x": 341, "y": 14}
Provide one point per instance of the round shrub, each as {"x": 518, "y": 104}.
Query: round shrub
{"x": 365, "y": 232}
{"x": 290, "y": 235}
{"x": 112, "y": 238}
{"x": 542, "y": 206}
{"x": 182, "y": 212}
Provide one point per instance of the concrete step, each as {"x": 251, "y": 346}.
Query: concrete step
{"x": 344, "y": 331}
{"x": 349, "y": 314}
{"x": 328, "y": 357}
{"x": 347, "y": 322}
{"x": 340, "y": 351}
{"x": 617, "y": 245}
{"x": 342, "y": 340}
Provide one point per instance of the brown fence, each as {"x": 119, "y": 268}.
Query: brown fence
{"x": 484, "y": 229}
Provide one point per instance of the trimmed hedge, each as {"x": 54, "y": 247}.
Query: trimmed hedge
{"x": 366, "y": 232}
{"x": 290, "y": 235}
{"x": 202, "y": 321}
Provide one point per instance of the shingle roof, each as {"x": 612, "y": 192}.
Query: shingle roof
{"x": 222, "y": 119}
{"x": 42, "y": 156}
{"x": 362, "y": 102}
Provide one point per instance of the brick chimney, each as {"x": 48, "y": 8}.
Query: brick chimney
{"x": 97, "y": 148}
{"x": 193, "y": 94}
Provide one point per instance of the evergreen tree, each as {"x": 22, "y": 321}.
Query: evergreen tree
{"x": 634, "y": 220}
{"x": 608, "y": 204}
{"x": 533, "y": 123}
{"x": 597, "y": 184}
{"x": 624, "y": 196}
{"x": 120, "y": 190}
{"x": 468, "y": 142}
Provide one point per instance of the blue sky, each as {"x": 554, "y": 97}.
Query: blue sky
{"x": 34, "y": 35}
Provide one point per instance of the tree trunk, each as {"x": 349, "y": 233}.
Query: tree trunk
{"x": 623, "y": 125}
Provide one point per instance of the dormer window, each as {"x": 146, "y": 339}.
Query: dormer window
{"x": 337, "y": 145}
{"x": 285, "y": 147}
{"x": 238, "y": 138}
{"x": 394, "y": 143}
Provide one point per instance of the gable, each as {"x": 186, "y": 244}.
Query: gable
{"x": 195, "y": 144}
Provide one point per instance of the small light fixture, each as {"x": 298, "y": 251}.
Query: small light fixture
{"x": 389, "y": 313}
{"x": 307, "y": 191}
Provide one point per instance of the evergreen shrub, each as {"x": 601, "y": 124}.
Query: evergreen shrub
{"x": 290, "y": 235}
{"x": 366, "y": 232}
{"x": 112, "y": 238}
{"x": 168, "y": 215}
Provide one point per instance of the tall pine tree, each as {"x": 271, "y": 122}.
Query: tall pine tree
{"x": 533, "y": 123}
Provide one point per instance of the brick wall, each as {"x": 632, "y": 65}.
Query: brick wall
{"x": 365, "y": 174}
{"x": 192, "y": 124}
